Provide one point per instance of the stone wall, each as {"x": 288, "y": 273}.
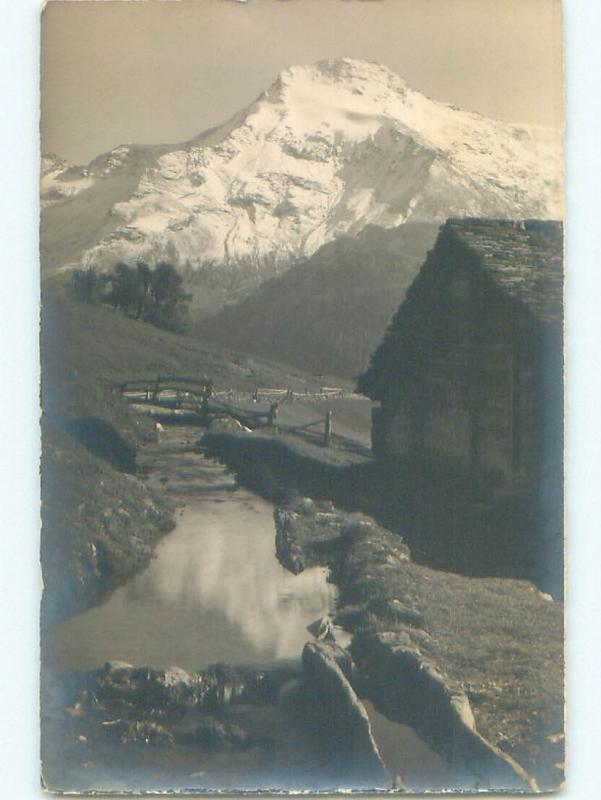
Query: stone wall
{"x": 412, "y": 691}
{"x": 341, "y": 717}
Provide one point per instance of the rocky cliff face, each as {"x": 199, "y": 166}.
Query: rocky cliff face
{"x": 326, "y": 150}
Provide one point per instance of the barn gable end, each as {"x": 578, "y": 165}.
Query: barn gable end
{"x": 470, "y": 371}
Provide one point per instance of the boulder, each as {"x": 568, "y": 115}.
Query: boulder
{"x": 142, "y": 731}
{"x": 213, "y": 735}
{"x": 411, "y": 690}
{"x": 174, "y": 676}
{"x": 303, "y": 505}
{"x": 341, "y": 719}
{"x": 226, "y": 424}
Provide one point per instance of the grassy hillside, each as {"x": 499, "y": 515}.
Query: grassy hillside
{"x": 100, "y": 521}
{"x": 88, "y": 344}
{"x": 329, "y": 313}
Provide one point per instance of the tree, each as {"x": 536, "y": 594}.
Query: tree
{"x": 144, "y": 295}
{"x": 168, "y": 308}
{"x": 86, "y": 286}
{"x": 123, "y": 289}
{"x": 155, "y": 296}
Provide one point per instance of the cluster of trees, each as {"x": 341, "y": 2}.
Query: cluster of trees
{"x": 154, "y": 295}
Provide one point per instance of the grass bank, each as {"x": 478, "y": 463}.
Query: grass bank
{"x": 100, "y": 525}
{"x": 475, "y": 665}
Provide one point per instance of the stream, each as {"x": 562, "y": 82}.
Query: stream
{"x": 215, "y": 592}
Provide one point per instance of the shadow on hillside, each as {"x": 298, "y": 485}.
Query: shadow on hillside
{"x": 103, "y": 440}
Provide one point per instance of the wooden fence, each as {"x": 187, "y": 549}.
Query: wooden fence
{"x": 288, "y": 395}
{"x": 198, "y": 398}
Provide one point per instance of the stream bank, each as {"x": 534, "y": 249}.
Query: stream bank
{"x": 100, "y": 526}
{"x": 484, "y": 655}
{"x": 474, "y": 665}
{"x": 448, "y": 523}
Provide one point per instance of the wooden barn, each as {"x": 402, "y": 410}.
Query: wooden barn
{"x": 469, "y": 375}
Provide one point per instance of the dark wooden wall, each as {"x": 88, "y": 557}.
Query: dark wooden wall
{"x": 480, "y": 386}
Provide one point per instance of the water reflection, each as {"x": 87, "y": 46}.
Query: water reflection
{"x": 214, "y": 591}
{"x": 406, "y": 756}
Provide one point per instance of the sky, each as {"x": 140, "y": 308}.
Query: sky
{"x": 162, "y": 71}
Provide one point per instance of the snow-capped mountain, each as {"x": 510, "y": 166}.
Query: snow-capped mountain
{"x": 327, "y": 150}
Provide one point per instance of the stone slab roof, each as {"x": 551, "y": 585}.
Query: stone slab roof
{"x": 523, "y": 258}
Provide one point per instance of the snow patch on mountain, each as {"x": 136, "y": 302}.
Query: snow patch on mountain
{"x": 60, "y": 180}
{"x": 326, "y": 150}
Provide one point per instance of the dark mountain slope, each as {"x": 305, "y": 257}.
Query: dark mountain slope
{"x": 328, "y": 313}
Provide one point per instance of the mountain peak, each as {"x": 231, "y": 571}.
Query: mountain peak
{"x": 345, "y": 69}
{"x": 354, "y": 73}
{"x": 330, "y": 148}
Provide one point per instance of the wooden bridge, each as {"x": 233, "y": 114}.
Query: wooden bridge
{"x": 196, "y": 400}
{"x": 168, "y": 391}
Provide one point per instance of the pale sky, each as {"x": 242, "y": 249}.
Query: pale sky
{"x": 162, "y": 71}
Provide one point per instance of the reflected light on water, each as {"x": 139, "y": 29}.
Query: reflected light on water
{"x": 214, "y": 591}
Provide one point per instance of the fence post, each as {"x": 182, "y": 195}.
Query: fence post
{"x": 327, "y": 434}
{"x": 205, "y": 402}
